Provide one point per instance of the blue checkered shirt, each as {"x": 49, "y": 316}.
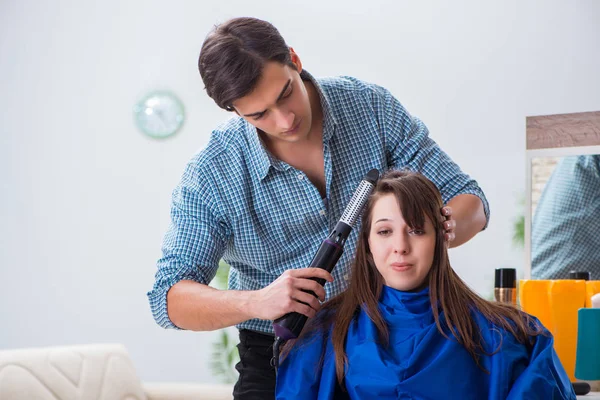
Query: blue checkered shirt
{"x": 565, "y": 233}
{"x": 262, "y": 216}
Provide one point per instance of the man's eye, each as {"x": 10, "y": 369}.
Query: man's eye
{"x": 288, "y": 94}
{"x": 259, "y": 116}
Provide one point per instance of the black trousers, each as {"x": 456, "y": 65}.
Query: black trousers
{"x": 257, "y": 376}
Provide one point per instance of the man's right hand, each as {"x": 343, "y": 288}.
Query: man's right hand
{"x": 285, "y": 294}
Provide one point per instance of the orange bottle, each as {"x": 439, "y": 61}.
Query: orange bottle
{"x": 566, "y": 298}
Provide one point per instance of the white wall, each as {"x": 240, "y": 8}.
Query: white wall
{"x": 85, "y": 197}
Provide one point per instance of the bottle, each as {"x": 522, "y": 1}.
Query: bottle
{"x": 585, "y": 275}
{"x": 505, "y": 285}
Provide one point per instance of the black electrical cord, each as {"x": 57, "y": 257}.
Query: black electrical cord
{"x": 275, "y": 360}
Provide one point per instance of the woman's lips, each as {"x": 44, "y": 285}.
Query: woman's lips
{"x": 402, "y": 266}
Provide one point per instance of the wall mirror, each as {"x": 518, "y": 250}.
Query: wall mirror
{"x": 562, "y": 214}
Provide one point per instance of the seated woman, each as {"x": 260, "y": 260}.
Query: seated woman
{"x": 409, "y": 328}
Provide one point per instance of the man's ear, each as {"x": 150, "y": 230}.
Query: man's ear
{"x": 296, "y": 60}
{"x": 232, "y": 108}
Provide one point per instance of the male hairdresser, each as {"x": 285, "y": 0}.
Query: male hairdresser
{"x": 271, "y": 183}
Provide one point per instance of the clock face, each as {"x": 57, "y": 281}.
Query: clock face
{"x": 159, "y": 115}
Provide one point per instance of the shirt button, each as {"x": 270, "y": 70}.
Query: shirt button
{"x": 322, "y": 212}
{"x": 346, "y": 277}
{"x": 300, "y": 176}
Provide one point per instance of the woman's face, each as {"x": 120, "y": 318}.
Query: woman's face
{"x": 402, "y": 255}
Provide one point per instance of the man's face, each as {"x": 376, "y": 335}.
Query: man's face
{"x": 279, "y": 105}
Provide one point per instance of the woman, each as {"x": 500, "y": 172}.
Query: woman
{"x": 382, "y": 339}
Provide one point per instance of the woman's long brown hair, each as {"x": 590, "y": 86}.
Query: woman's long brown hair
{"x": 418, "y": 199}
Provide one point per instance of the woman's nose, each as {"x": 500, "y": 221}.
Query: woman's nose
{"x": 401, "y": 246}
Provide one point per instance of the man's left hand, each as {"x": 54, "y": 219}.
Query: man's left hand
{"x": 449, "y": 224}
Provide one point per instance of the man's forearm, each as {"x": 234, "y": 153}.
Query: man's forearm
{"x": 467, "y": 211}
{"x": 197, "y": 307}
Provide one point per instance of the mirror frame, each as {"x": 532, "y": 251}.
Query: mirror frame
{"x": 555, "y": 136}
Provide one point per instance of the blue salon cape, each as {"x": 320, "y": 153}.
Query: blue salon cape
{"x": 420, "y": 363}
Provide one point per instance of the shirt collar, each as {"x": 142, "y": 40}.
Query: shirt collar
{"x": 263, "y": 159}
{"x": 411, "y": 302}
{"x": 329, "y": 120}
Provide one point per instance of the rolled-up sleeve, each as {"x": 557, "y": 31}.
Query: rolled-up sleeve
{"x": 193, "y": 244}
{"x": 408, "y": 145}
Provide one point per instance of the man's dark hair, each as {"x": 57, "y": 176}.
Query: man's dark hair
{"x": 233, "y": 55}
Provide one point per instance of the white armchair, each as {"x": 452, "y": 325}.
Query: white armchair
{"x": 95, "y": 371}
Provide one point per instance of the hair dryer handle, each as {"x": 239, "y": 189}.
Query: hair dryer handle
{"x": 290, "y": 325}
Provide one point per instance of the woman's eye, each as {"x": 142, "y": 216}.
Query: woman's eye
{"x": 417, "y": 231}
{"x": 383, "y": 232}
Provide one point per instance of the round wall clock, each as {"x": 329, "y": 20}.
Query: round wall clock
{"x": 160, "y": 114}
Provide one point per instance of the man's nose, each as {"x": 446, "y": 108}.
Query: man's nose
{"x": 285, "y": 119}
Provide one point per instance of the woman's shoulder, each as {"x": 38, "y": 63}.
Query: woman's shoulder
{"x": 502, "y": 330}
{"x": 317, "y": 330}
{"x": 309, "y": 347}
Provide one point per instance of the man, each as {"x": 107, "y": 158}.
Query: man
{"x": 564, "y": 232}
{"x": 273, "y": 181}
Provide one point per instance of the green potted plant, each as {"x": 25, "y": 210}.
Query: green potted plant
{"x": 224, "y": 353}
